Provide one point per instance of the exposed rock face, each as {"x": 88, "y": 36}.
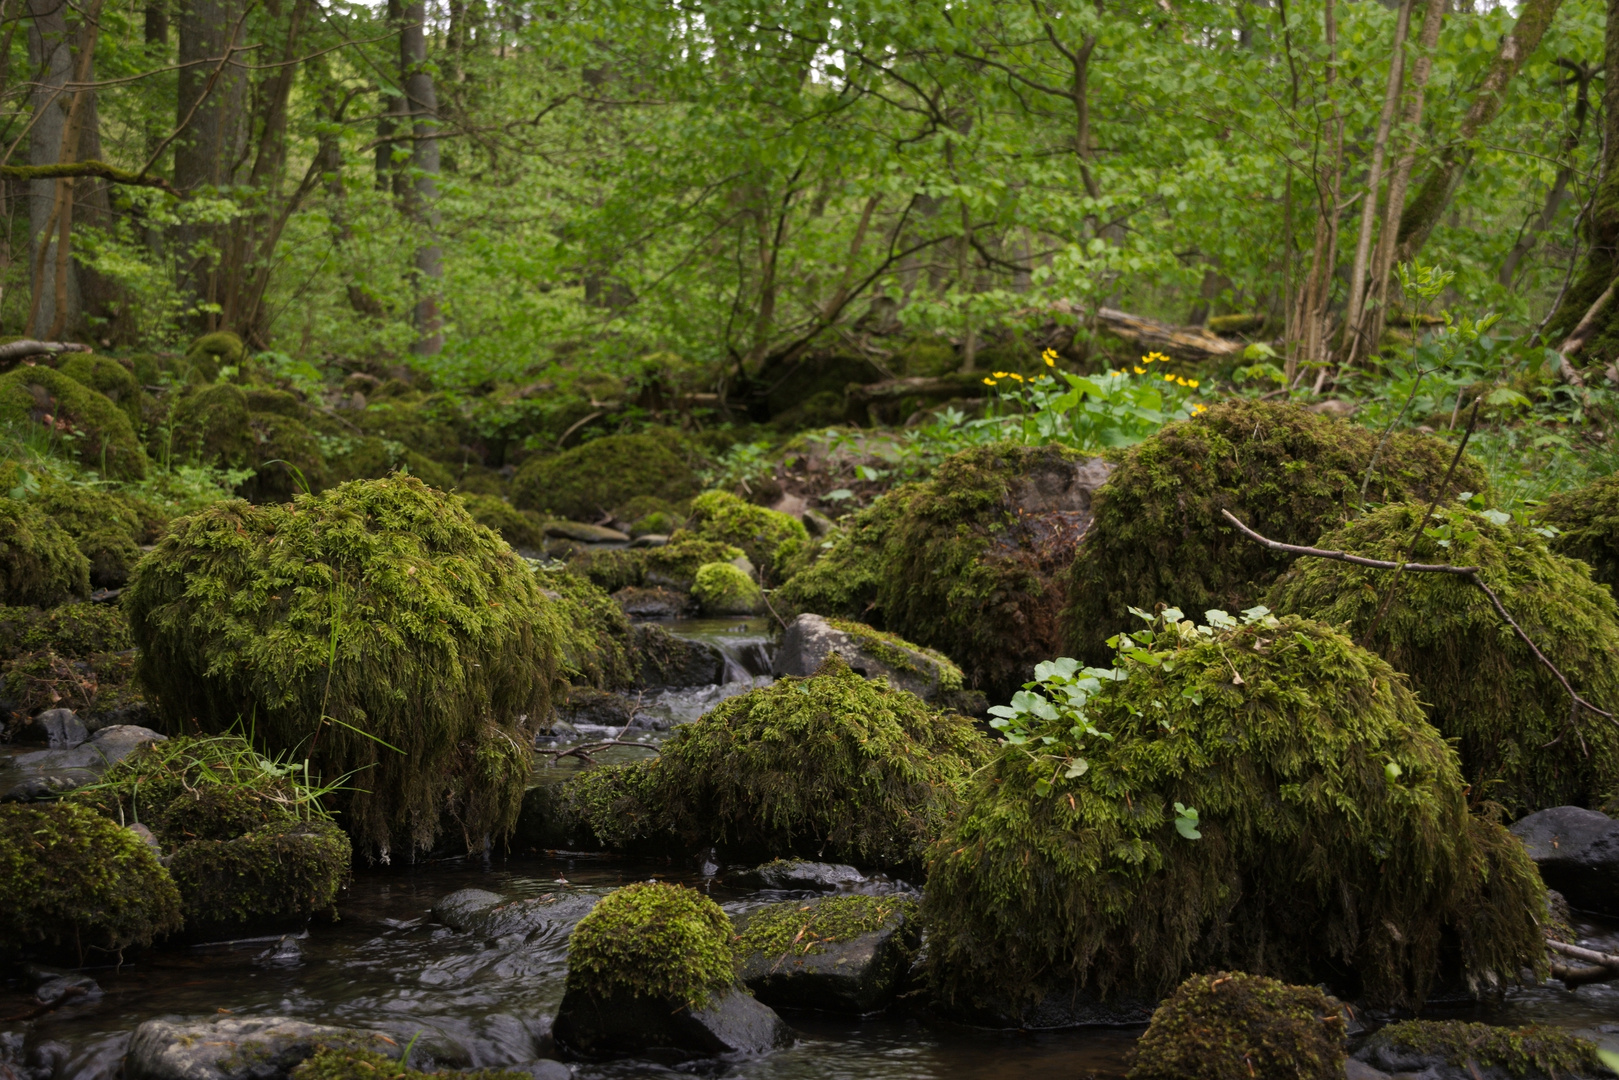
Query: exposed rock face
{"x": 810, "y": 639}
{"x": 58, "y": 729}
{"x": 733, "y": 1024}
{"x": 238, "y": 1048}
{"x": 44, "y": 773}
{"x": 1577, "y": 851}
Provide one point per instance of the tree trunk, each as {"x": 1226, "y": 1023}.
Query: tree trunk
{"x": 424, "y": 167}
{"x": 203, "y": 150}
{"x": 50, "y": 52}
{"x": 1439, "y": 186}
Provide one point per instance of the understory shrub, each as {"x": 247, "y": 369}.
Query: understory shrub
{"x": 1290, "y": 474}
{"x": 1266, "y": 797}
{"x": 375, "y": 628}
{"x": 1509, "y": 715}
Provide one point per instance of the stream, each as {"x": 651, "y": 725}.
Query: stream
{"x": 471, "y": 1002}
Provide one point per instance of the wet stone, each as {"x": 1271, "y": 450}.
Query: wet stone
{"x": 585, "y": 534}
{"x": 861, "y": 975}
{"x": 1577, "y": 852}
{"x": 44, "y": 773}
{"x": 238, "y": 1048}
{"x": 550, "y": 917}
{"x": 734, "y": 1024}
{"x": 810, "y": 639}
{"x": 667, "y": 660}
{"x": 59, "y": 729}
{"x": 60, "y": 989}
{"x": 800, "y": 874}
{"x": 654, "y": 603}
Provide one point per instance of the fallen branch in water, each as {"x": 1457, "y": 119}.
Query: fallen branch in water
{"x": 1471, "y": 573}
{"x": 1598, "y": 966}
{"x": 584, "y": 750}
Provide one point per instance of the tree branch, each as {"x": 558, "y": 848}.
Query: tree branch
{"x": 99, "y": 169}
{"x": 17, "y": 350}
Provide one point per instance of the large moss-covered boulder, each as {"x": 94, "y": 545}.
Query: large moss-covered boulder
{"x": 1234, "y": 1026}
{"x": 209, "y": 353}
{"x": 1288, "y": 473}
{"x": 831, "y": 766}
{"x": 370, "y": 457}
{"x": 375, "y": 627}
{"x": 970, "y": 562}
{"x": 108, "y": 526}
{"x": 1587, "y": 524}
{"x": 1271, "y": 799}
{"x": 599, "y": 476}
{"x": 248, "y": 845}
{"x": 596, "y": 640}
{"x": 75, "y": 883}
{"x": 108, "y": 377}
{"x": 1485, "y": 689}
{"x": 772, "y": 541}
{"x": 39, "y": 562}
{"x": 99, "y": 431}
{"x": 423, "y": 423}
{"x": 227, "y": 426}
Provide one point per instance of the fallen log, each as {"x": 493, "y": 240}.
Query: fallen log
{"x": 1180, "y": 342}
{"x": 19, "y": 350}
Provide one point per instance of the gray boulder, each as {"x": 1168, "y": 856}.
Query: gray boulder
{"x": 549, "y": 918}
{"x": 58, "y": 729}
{"x": 601, "y": 708}
{"x": 238, "y": 1048}
{"x": 810, "y": 639}
{"x": 800, "y": 874}
{"x": 860, "y": 974}
{"x": 1578, "y": 854}
{"x": 667, "y": 660}
{"x": 44, "y": 773}
{"x": 734, "y": 1024}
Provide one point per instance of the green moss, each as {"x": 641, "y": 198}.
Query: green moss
{"x": 99, "y": 431}
{"x": 899, "y": 654}
{"x": 653, "y": 940}
{"x": 650, "y": 514}
{"x": 218, "y": 425}
{"x": 426, "y": 424}
{"x": 1509, "y": 715}
{"x": 1588, "y": 524}
{"x": 73, "y": 880}
{"x": 611, "y": 569}
{"x": 279, "y": 874}
{"x": 804, "y": 929}
{"x": 210, "y": 352}
{"x": 70, "y": 629}
{"x": 594, "y": 478}
{"x": 676, "y": 563}
{"x": 519, "y": 528}
{"x": 1317, "y": 861}
{"x": 370, "y": 457}
{"x": 595, "y": 639}
{"x": 1525, "y": 1051}
{"x": 772, "y": 541}
{"x": 445, "y": 650}
{"x": 722, "y": 589}
{"x": 39, "y": 562}
{"x": 107, "y": 526}
{"x": 108, "y": 377}
{"x": 338, "y": 1064}
{"x": 74, "y": 656}
{"x": 614, "y": 806}
{"x": 831, "y": 766}
{"x": 1234, "y": 1026}
{"x": 952, "y": 563}
{"x": 1158, "y": 536}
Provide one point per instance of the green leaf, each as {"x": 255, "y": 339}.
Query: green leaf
{"x": 1392, "y": 771}
{"x": 1076, "y": 768}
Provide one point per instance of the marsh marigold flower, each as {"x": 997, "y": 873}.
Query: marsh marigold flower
{"x": 1139, "y": 370}
{"x": 989, "y": 381}
{"x": 1050, "y": 357}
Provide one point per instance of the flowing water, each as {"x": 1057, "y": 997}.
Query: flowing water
{"x": 469, "y": 1002}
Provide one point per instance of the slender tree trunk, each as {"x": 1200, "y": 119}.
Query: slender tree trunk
{"x": 50, "y": 52}
{"x": 1439, "y": 186}
{"x": 203, "y": 150}
{"x": 392, "y": 115}
{"x": 156, "y": 32}
{"x": 1314, "y": 299}
{"x": 424, "y": 167}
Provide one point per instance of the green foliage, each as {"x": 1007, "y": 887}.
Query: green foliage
{"x": 1235, "y": 1026}
{"x": 1158, "y": 536}
{"x": 798, "y": 929}
{"x": 97, "y": 431}
{"x": 73, "y": 880}
{"x": 109, "y": 378}
{"x": 1525, "y": 1051}
{"x": 721, "y": 589}
{"x": 956, "y": 563}
{"x": 597, "y": 477}
{"x": 656, "y": 940}
{"x": 39, "y": 562}
{"x": 519, "y": 528}
{"x": 107, "y": 525}
{"x": 1510, "y": 717}
{"x": 595, "y": 641}
{"x": 333, "y": 1064}
{"x": 1587, "y": 524}
{"x": 772, "y": 541}
{"x": 375, "y": 628}
{"x": 1119, "y": 408}
{"x": 1316, "y": 861}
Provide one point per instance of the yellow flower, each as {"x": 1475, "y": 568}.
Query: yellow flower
{"x": 1192, "y": 383}
{"x": 1139, "y": 370}
{"x": 1000, "y": 374}
{"x": 989, "y": 382}
{"x": 1158, "y": 356}
{"x": 1050, "y": 357}
{"x": 1169, "y": 376}
{"x": 1015, "y": 375}
{"x": 1199, "y": 409}
{"x": 1117, "y": 374}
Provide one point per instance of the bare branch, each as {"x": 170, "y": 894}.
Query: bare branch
{"x": 17, "y": 350}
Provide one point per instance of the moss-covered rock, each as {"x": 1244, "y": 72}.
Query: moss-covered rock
{"x": 1447, "y": 1048}
{"x": 209, "y": 353}
{"x": 595, "y": 640}
{"x": 1587, "y": 521}
{"x": 426, "y": 424}
{"x": 1158, "y": 536}
{"x": 249, "y": 847}
{"x": 109, "y": 527}
{"x": 370, "y": 457}
{"x": 100, "y": 432}
{"x": 1331, "y": 839}
{"x": 830, "y": 766}
{"x": 109, "y": 378}
{"x": 75, "y": 882}
{"x": 77, "y": 629}
{"x": 722, "y": 589}
{"x": 230, "y": 427}
{"x": 39, "y": 562}
{"x": 611, "y": 569}
{"x": 1509, "y": 715}
{"x": 772, "y": 541}
{"x": 330, "y": 1064}
{"x": 675, "y": 564}
{"x": 597, "y": 477}
{"x": 970, "y": 562}
{"x": 846, "y": 954}
{"x": 1235, "y": 1026}
{"x": 654, "y": 940}
{"x": 375, "y": 626}
{"x": 74, "y": 656}
{"x": 521, "y": 529}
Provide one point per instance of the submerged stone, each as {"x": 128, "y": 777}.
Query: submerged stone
{"x": 847, "y": 954}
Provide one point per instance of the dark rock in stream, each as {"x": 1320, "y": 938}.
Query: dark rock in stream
{"x": 799, "y": 874}
{"x": 45, "y": 773}
{"x": 1577, "y": 852}
{"x": 652, "y": 603}
{"x": 58, "y": 729}
{"x": 734, "y": 1024}
{"x": 667, "y": 660}
{"x": 550, "y": 917}
{"x": 860, "y": 975}
{"x": 238, "y": 1048}
{"x": 60, "y": 989}
{"x": 602, "y": 708}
